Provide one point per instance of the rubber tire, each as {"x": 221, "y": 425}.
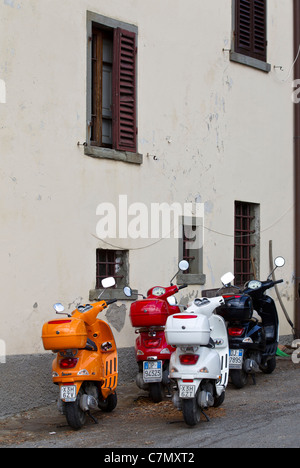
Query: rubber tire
{"x": 108, "y": 405}
{"x": 156, "y": 392}
{"x": 191, "y": 412}
{"x": 219, "y": 400}
{"x": 239, "y": 378}
{"x": 76, "y": 418}
{"x": 270, "y": 366}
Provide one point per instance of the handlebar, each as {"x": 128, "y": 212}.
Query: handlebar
{"x": 277, "y": 282}
{"x": 182, "y": 287}
{"x": 111, "y": 301}
{"x": 264, "y": 286}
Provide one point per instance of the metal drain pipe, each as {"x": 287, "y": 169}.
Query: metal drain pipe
{"x": 297, "y": 170}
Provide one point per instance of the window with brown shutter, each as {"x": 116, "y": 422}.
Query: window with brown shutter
{"x": 250, "y": 28}
{"x": 124, "y": 86}
{"x": 111, "y": 95}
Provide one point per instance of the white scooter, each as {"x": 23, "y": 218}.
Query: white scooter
{"x": 200, "y": 364}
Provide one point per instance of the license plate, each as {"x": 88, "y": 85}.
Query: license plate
{"x": 187, "y": 391}
{"x": 152, "y": 371}
{"x": 236, "y": 358}
{"x": 68, "y": 393}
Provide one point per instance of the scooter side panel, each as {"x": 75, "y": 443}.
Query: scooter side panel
{"x": 220, "y": 337}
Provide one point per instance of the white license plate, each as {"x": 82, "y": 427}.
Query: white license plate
{"x": 152, "y": 371}
{"x": 187, "y": 391}
{"x": 236, "y": 358}
{"x": 68, "y": 393}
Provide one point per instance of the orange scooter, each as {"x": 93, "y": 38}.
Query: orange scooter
{"x": 86, "y": 365}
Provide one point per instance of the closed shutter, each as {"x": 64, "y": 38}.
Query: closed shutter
{"x": 250, "y": 32}
{"x": 124, "y": 91}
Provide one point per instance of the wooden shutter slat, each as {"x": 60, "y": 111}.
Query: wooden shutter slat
{"x": 124, "y": 90}
{"x": 250, "y": 29}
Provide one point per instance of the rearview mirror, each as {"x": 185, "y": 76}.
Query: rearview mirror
{"x": 184, "y": 265}
{"x": 227, "y": 279}
{"x": 59, "y": 308}
{"x": 172, "y": 300}
{"x": 279, "y": 262}
{"x": 127, "y": 291}
{"x": 108, "y": 282}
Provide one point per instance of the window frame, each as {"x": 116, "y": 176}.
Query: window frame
{"x": 244, "y": 57}
{"x": 195, "y": 273}
{"x": 246, "y": 241}
{"x": 116, "y": 28}
{"x": 122, "y": 278}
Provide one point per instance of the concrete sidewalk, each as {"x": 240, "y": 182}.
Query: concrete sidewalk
{"x": 265, "y": 415}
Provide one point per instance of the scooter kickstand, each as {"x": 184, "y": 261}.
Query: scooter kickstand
{"x": 92, "y": 417}
{"x": 205, "y": 415}
{"x": 253, "y": 379}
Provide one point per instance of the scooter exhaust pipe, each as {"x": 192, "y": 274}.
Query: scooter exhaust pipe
{"x": 205, "y": 399}
{"x": 140, "y": 382}
{"x": 250, "y": 366}
{"x": 88, "y": 402}
{"x": 177, "y": 401}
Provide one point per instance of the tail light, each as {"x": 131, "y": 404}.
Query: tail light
{"x": 188, "y": 359}
{"x": 152, "y": 343}
{"x": 68, "y": 363}
{"x": 185, "y": 317}
{"x": 59, "y": 322}
{"x": 235, "y": 331}
{"x": 231, "y": 296}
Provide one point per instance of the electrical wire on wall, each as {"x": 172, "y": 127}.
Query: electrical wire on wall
{"x": 202, "y": 226}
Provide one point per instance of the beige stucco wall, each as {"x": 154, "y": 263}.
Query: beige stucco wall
{"x": 220, "y": 132}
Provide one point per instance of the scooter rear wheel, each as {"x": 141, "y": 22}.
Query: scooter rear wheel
{"x": 156, "y": 392}
{"x": 76, "y": 418}
{"x": 191, "y": 412}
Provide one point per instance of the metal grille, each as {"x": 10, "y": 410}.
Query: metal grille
{"x": 108, "y": 263}
{"x": 243, "y": 243}
{"x": 187, "y": 255}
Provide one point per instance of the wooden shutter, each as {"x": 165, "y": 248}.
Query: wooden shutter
{"x": 124, "y": 91}
{"x": 250, "y": 32}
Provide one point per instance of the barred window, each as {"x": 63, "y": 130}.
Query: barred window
{"x": 111, "y": 263}
{"x": 246, "y": 242}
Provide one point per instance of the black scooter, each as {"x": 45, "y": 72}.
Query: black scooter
{"x": 253, "y": 327}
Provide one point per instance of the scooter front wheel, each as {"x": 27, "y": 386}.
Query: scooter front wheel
{"x": 239, "y": 378}
{"x": 76, "y": 418}
{"x": 270, "y": 366}
{"x": 109, "y": 404}
{"x": 191, "y": 412}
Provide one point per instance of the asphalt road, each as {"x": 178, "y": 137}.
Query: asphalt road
{"x": 263, "y": 416}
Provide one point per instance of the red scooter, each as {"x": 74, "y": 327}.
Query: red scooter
{"x": 153, "y": 353}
